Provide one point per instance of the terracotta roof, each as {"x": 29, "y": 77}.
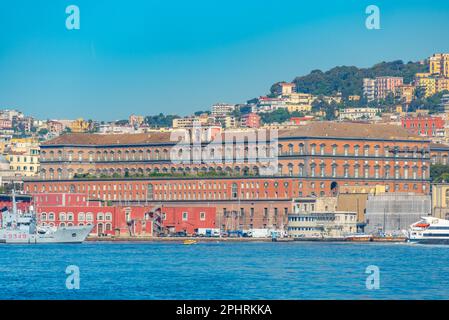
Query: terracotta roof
{"x": 350, "y": 130}
{"x": 313, "y": 129}
{"x": 109, "y": 139}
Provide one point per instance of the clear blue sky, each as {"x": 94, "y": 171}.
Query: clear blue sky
{"x": 180, "y": 56}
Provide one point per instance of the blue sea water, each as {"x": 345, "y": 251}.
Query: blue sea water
{"x": 224, "y": 271}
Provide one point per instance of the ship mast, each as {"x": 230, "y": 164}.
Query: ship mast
{"x": 14, "y": 205}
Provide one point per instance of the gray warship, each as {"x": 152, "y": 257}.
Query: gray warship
{"x": 22, "y": 228}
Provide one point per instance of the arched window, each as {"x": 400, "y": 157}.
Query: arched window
{"x": 322, "y": 169}
{"x": 313, "y": 149}
{"x": 301, "y": 148}
{"x": 290, "y": 169}
{"x": 312, "y": 169}
{"x": 301, "y": 169}
{"x": 280, "y": 149}
{"x": 366, "y": 151}
{"x": 346, "y": 149}
{"x": 334, "y": 170}
{"x": 322, "y": 149}
{"x": 334, "y": 149}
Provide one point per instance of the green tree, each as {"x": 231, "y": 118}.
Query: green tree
{"x": 160, "y": 120}
{"x": 439, "y": 172}
{"x": 43, "y": 132}
{"x": 349, "y": 79}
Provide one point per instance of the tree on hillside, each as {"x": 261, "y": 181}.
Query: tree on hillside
{"x": 349, "y": 79}
{"x": 198, "y": 113}
{"x": 160, "y": 120}
{"x": 432, "y": 103}
{"x": 278, "y": 116}
{"x": 419, "y": 93}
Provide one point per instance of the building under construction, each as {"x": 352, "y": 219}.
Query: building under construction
{"x": 391, "y": 213}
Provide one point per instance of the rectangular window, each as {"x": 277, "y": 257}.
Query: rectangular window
{"x": 185, "y": 216}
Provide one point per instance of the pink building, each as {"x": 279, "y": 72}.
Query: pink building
{"x": 385, "y": 85}
{"x": 250, "y": 120}
{"x": 55, "y": 126}
{"x": 5, "y": 124}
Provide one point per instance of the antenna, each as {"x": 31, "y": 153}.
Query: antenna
{"x": 14, "y": 205}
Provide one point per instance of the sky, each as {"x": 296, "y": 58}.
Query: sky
{"x": 179, "y": 56}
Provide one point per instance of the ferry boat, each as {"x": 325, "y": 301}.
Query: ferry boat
{"x": 429, "y": 230}
{"x": 22, "y": 228}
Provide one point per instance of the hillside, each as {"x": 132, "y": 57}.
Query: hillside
{"x": 349, "y": 79}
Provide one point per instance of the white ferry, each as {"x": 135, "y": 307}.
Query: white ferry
{"x": 429, "y": 230}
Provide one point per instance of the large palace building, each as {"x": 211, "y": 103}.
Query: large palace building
{"x": 317, "y": 159}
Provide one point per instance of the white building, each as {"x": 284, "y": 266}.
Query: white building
{"x": 358, "y": 113}
{"x": 222, "y": 109}
{"x": 369, "y": 89}
{"x": 318, "y": 218}
{"x": 267, "y": 104}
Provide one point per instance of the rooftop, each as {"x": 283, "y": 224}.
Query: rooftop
{"x": 313, "y": 129}
{"x": 350, "y": 130}
{"x": 109, "y": 139}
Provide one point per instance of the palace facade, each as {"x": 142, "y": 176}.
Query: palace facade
{"x": 317, "y": 159}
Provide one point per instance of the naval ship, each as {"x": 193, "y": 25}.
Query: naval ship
{"x": 17, "y": 227}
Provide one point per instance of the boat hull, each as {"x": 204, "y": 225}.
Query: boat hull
{"x": 430, "y": 241}
{"x": 61, "y": 235}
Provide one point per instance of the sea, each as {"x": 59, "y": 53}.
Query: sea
{"x": 224, "y": 270}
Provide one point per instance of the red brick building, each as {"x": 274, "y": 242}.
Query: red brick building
{"x": 423, "y": 125}
{"x": 317, "y": 159}
{"x": 386, "y": 85}
{"x": 136, "y": 219}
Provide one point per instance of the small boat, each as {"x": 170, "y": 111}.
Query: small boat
{"x": 389, "y": 239}
{"x": 190, "y": 241}
{"x": 359, "y": 237}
